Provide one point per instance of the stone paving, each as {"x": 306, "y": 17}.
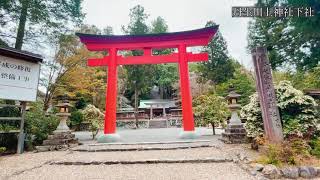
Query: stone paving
{"x": 50, "y": 165}
{"x": 150, "y": 135}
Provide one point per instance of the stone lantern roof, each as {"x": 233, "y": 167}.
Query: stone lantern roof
{"x": 63, "y": 101}
{"x": 64, "y": 104}
{"x": 233, "y": 95}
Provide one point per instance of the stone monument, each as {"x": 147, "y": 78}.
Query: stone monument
{"x": 267, "y": 97}
{"x": 62, "y": 137}
{"x": 235, "y": 132}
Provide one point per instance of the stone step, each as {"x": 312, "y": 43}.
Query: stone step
{"x": 55, "y": 147}
{"x": 151, "y": 142}
{"x": 85, "y": 148}
{"x": 157, "y": 124}
{"x": 148, "y": 161}
{"x": 235, "y": 135}
{"x": 234, "y": 138}
{"x": 235, "y": 130}
{"x": 59, "y": 141}
{"x": 232, "y": 126}
{"x": 61, "y": 136}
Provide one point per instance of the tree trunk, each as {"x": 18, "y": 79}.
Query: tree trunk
{"x": 22, "y": 24}
{"x": 213, "y": 129}
{"x": 136, "y": 106}
{"x": 45, "y": 105}
{"x": 165, "y": 92}
{"x": 48, "y": 97}
{"x": 46, "y": 101}
{"x": 161, "y": 91}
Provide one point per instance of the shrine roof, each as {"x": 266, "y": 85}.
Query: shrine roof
{"x": 158, "y": 103}
{"x": 312, "y": 92}
{"x": 205, "y": 34}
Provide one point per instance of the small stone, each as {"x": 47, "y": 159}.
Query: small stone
{"x": 262, "y": 178}
{"x": 290, "y": 172}
{"x": 236, "y": 160}
{"x": 253, "y": 173}
{"x": 318, "y": 171}
{"x": 42, "y": 148}
{"x": 271, "y": 171}
{"x": 242, "y": 157}
{"x": 307, "y": 172}
{"x": 52, "y": 148}
{"x": 244, "y": 167}
{"x": 257, "y": 166}
{"x": 313, "y": 171}
{"x": 73, "y": 145}
{"x": 62, "y": 147}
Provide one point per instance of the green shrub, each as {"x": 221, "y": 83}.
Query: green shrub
{"x": 95, "y": 117}
{"x": 81, "y": 103}
{"x": 38, "y": 125}
{"x": 3, "y": 149}
{"x": 76, "y": 118}
{"x": 9, "y": 111}
{"x": 291, "y": 152}
{"x": 211, "y": 109}
{"x": 273, "y": 155}
{"x": 315, "y": 147}
{"x": 299, "y": 146}
{"x": 9, "y": 140}
{"x": 7, "y": 127}
{"x": 297, "y": 112}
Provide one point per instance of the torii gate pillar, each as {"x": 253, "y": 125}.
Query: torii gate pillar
{"x": 186, "y": 99}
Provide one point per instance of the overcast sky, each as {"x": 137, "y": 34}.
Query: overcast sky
{"x": 180, "y": 15}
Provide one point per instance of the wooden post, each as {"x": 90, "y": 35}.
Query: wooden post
{"x": 267, "y": 97}
{"x": 164, "y": 110}
{"x": 151, "y": 112}
{"x": 21, "y": 137}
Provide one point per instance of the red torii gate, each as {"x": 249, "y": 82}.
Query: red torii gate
{"x": 147, "y": 42}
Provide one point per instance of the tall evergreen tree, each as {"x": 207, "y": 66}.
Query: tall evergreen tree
{"x": 159, "y": 25}
{"x": 290, "y": 41}
{"x": 219, "y": 68}
{"x": 33, "y": 18}
{"x": 166, "y": 74}
{"x": 140, "y": 77}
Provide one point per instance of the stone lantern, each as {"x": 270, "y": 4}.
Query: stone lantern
{"x": 233, "y": 98}
{"x": 63, "y": 114}
{"x": 235, "y": 131}
{"x": 62, "y": 137}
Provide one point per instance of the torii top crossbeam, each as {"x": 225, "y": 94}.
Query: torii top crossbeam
{"x": 147, "y": 42}
{"x": 198, "y": 37}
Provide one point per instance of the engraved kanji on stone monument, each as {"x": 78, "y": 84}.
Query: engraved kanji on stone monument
{"x": 267, "y": 97}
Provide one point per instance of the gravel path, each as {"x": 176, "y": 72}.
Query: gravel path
{"x": 18, "y": 163}
{"x": 37, "y": 165}
{"x": 227, "y": 171}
